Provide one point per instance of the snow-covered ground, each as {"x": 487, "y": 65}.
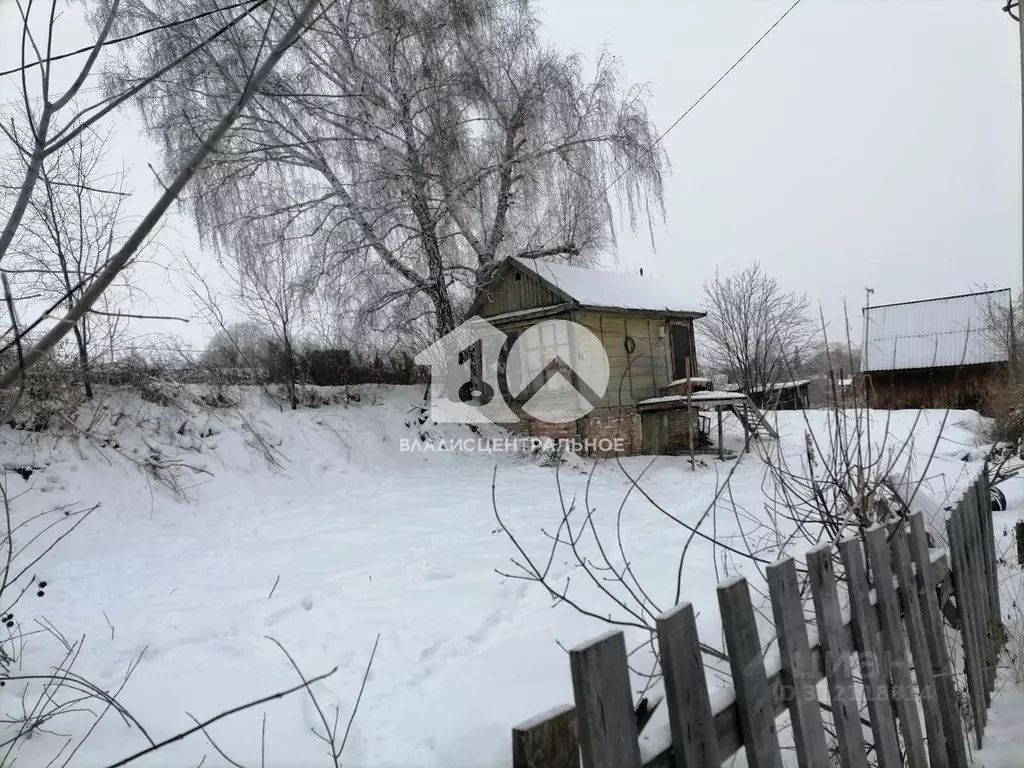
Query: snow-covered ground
{"x": 347, "y": 539}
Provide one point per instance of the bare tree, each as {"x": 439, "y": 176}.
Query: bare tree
{"x": 754, "y": 331}
{"x": 410, "y": 146}
{"x": 45, "y": 131}
{"x": 1003, "y": 329}
{"x": 73, "y": 222}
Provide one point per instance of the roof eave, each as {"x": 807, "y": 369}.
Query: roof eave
{"x": 682, "y": 314}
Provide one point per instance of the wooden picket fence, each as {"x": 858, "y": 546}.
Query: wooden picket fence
{"x": 910, "y": 591}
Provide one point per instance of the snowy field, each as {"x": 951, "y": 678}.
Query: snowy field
{"x": 347, "y": 539}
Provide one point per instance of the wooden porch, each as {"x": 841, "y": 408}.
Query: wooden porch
{"x": 656, "y": 412}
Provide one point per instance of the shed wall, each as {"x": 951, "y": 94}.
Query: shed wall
{"x": 635, "y": 375}
{"x": 510, "y": 294}
{"x": 953, "y": 387}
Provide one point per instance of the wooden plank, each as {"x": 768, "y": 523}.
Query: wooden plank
{"x": 992, "y": 561}
{"x": 835, "y": 657}
{"x": 873, "y": 663}
{"x": 727, "y": 726}
{"x": 976, "y": 563}
{"x": 913, "y": 618}
{"x": 798, "y": 675}
{"x": 968, "y": 626}
{"x": 721, "y": 441}
{"x": 547, "y": 741}
{"x": 898, "y": 660}
{"x": 686, "y": 692}
{"x": 605, "y": 720}
{"x": 753, "y": 694}
{"x": 942, "y": 668}
{"x": 983, "y": 518}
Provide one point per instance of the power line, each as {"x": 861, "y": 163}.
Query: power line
{"x": 599, "y": 197}
{"x": 125, "y": 38}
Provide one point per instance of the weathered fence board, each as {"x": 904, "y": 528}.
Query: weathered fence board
{"x": 605, "y": 721}
{"x": 942, "y": 668}
{"x": 966, "y": 602}
{"x": 873, "y": 662}
{"x": 983, "y": 520}
{"x": 894, "y": 650}
{"x": 990, "y": 535}
{"x": 686, "y": 692}
{"x": 547, "y": 741}
{"x": 836, "y": 646}
{"x": 753, "y": 694}
{"x": 798, "y": 675}
{"x": 969, "y": 514}
{"x": 913, "y": 618}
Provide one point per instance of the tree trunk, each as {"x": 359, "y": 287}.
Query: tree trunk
{"x": 83, "y": 361}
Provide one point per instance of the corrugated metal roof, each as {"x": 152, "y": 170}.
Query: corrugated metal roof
{"x": 934, "y": 333}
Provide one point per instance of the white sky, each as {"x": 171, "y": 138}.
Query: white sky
{"x": 863, "y": 143}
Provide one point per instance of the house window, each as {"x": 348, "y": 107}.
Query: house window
{"x": 534, "y": 351}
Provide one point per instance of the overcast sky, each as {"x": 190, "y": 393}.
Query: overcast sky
{"x": 863, "y": 143}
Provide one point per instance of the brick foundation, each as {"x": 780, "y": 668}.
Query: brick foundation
{"x": 599, "y": 433}
{"x": 609, "y": 428}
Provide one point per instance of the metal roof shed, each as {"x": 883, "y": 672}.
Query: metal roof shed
{"x": 940, "y": 352}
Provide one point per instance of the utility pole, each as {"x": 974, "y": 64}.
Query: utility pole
{"x": 1020, "y": 28}
{"x": 1010, "y": 7}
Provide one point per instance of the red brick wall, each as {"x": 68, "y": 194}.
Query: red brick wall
{"x": 603, "y": 432}
{"x": 611, "y": 431}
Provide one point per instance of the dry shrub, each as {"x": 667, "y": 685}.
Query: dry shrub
{"x": 1005, "y": 404}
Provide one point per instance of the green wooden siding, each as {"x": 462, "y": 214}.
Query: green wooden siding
{"x": 516, "y": 291}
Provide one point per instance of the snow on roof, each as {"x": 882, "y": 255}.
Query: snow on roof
{"x": 784, "y": 385}
{"x": 933, "y": 333}
{"x": 691, "y": 380}
{"x": 696, "y": 397}
{"x": 615, "y": 290}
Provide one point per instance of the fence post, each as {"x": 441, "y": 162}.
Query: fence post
{"x": 877, "y": 546}
{"x": 932, "y": 700}
{"x": 835, "y": 658}
{"x": 753, "y": 694}
{"x": 547, "y": 741}
{"x": 978, "y": 554}
{"x": 797, "y": 678}
{"x": 966, "y": 602}
{"x": 692, "y": 723}
{"x": 605, "y": 720}
{"x": 873, "y": 663}
{"x": 942, "y": 668}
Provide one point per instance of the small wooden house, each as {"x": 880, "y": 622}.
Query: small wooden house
{"x": 783, "y": 396}
{"x": 936, "y": 353}
{"x": 645, "y": 326}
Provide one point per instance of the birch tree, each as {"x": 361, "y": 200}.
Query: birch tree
{"x": 54, "y": 116}
{"x": 410, "y": 146}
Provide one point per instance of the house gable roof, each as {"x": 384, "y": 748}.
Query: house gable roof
{"x": 596, "y": 289}
{"x": 932, "y": 333}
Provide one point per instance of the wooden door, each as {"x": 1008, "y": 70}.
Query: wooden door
{"x": 682, "y": 348}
